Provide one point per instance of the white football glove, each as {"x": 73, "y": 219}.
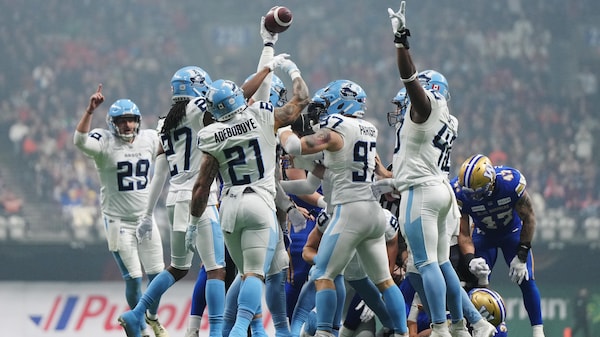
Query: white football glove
{"x": 277, "y": 61}
{"x": 480, "y": 269}
{"x": 288, "y": 66}
{"x": 144, "y": 228}
{"x": 190, "y": 237}
{"x": 367, "y": 314}
{"x": 398, "y": 18}
{"x": 382, "y": 186}
{"x": 297, "y": 219}
{"x": 518, "y": 271}
{"x": 266, "y": 35}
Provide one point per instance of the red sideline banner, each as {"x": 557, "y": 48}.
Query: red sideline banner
{"x": 64, "y": 309}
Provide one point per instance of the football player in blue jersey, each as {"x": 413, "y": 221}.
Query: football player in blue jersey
{"x": 501, "y": 209}
{"x": 491, "y": 306}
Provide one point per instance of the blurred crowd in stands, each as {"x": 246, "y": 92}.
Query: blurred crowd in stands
{"x": 523, "y": 77}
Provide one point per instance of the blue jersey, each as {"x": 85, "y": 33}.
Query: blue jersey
{"x": 495, "y": 215}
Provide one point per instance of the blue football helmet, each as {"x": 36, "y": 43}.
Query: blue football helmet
{"x": 433, "y": 80}
{"x": 401, "y": 102}
{"x": 224, "y": 99}
{"x": 278, "y": 95}
{"x": 120, "y": 109}
{"x": 490, "y": 304}
{"x": 189, "y": 82}
{"x": 344, "y": 97}
{"x": 316, "y": 107}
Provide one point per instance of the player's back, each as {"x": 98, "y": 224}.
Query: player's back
{"x": 245, "y": 147}
{"x": 352, "y": 167}
{"x": 424, "y": 149}
{"x": 179, "y": 145}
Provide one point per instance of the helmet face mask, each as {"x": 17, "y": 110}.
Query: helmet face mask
{"x": 224, "y": 99}
{"x": 189, "y": 82}
{"x": 477, "y": 177}
{"x": 401, "y": 103}
{"x": 119, "y": 115}
{"x": 316, "y": 109}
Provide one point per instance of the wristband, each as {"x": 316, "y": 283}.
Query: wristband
{"x": 401, "y": 38}
{"x": 294, "y": 74}
{"x": 411, "y": 78}
{"x": 523, "y": 251}
{"x": 469, "y": 257}
{"x": 289, "y": 209}
{"x": 89, "y": 112}
{"x": 268, "y": 44}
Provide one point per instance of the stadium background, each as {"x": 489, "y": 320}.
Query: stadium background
{"x": 523, "y": 77}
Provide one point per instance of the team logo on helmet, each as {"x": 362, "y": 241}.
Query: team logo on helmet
{"x": 349, "y": 91}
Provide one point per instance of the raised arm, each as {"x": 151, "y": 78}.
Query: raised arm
{"x": 288, "y": 113}
{"x": 421, "y": 107}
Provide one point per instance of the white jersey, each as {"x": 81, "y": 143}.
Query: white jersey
{"x": 183, "y": 156}
{"x": 124, "y": 170}
{"x": 424, "y": 149}
{"x": 245, "y": 147}
{"x": 352, "y": 167}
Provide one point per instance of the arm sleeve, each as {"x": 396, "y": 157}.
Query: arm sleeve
{"x": 264, "y": 90}
{"x": 282, "y": 200}
{"x": 161, "y": 172}
{"x": 302, "y": 186}
{"x": 88, "y": 146}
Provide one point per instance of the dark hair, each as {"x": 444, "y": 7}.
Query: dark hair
{"x": 175, "y": 115}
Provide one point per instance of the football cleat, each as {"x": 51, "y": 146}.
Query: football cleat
{"x": 192, "y": 332}
{"x": 159, "y": 330}
{"x": 131, "y": 324}
{"x": 459, "y": 329}
{"x": 484, "y": 329}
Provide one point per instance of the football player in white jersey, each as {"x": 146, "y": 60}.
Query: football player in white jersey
{"x": 358, "y": 222}
{"x": 123, "y": 155}
{"x": 421, "y": 163}
{"x": 178, "y": 157}
{"x": 240, "y": 147}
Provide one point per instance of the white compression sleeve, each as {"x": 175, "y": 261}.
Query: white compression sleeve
{"x": 264, "y": 90}
{"x": 282, "y": 200}
{"x": 293, "y": 145}
{"x": 302, "y": 186}
{"x": 161, "y": 172}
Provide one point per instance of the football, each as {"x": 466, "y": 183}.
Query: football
{"x": 278, "y": 19}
